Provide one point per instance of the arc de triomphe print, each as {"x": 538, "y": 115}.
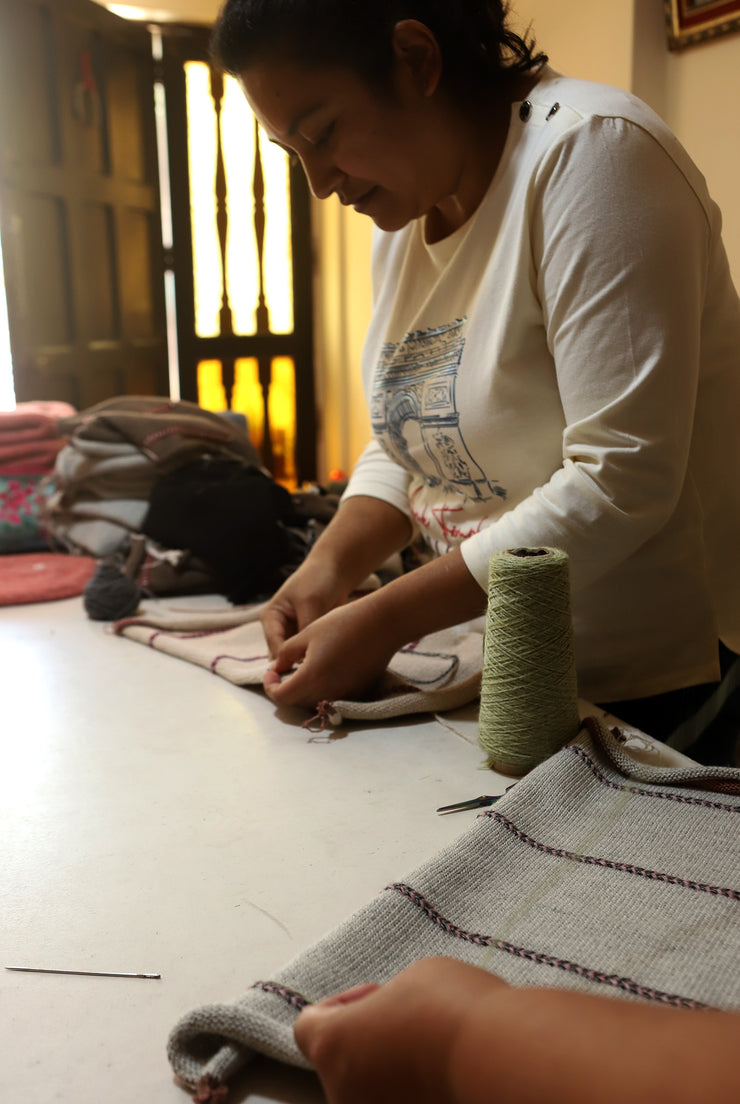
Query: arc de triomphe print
{"x": 413, "y": 404}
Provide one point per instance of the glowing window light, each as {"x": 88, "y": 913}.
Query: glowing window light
{"x": 242, "y": 272}
{"x": 246, "y": 398}
{"x": 211, "y": 393}
{"x": 242, "y": 265}
{"x": 202, "y": 149}
{"x": 237, "y": 130}
{"x": 241, "y": 259}
{"x": 281, "y": 404}
{"x": 278, "y": 263}
{"x": 246, "y": 394}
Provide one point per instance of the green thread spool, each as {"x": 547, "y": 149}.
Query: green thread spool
{"x": 529, "y": 696}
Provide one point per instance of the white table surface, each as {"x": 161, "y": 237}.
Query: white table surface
{"x": 156, "y": 818}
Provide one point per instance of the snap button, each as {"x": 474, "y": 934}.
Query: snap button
{"x": 553, "y": 111}
{"x": 525, "y": 110}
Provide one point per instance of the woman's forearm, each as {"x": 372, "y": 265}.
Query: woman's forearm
{"x": 435, "y": 596}
{"x": 363, "y": 533}
{"x": 541, "y": 1046}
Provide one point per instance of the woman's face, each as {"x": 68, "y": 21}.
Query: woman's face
{"x": 382, "y": 156}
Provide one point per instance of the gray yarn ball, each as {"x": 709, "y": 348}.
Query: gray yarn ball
{"x": 110, "y": 594}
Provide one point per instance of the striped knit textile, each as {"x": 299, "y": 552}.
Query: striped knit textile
{"x": 596, "y": 872}
{"x": 441, "y": 671}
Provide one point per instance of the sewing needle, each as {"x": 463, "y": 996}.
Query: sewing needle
{"x": 81, "y": 973}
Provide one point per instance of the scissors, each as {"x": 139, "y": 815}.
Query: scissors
{"x": 473, "y": 803}
{"x": 481, "y": 802}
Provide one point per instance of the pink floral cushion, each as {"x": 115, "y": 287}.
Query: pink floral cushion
{"x": 21, "y": 501}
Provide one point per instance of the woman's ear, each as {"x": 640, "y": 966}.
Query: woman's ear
{"x": 416, "y": 48}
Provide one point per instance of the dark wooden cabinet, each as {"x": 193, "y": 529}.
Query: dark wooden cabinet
{"x": 79, "y": 203}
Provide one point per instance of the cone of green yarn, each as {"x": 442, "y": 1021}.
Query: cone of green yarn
{"x": 529, "y": 696}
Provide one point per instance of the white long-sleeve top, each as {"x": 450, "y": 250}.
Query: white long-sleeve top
{"x": 564, "y": 370}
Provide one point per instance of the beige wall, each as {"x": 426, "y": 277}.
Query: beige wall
{"x": 591, "y": 39}
{"x": 343, "y": 301}
{"x": 696, "y": 90}
{"x": 703, "y": 108}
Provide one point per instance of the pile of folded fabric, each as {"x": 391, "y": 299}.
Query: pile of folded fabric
{"x": 172, "y": 499}
{"x": 29, "y": 443}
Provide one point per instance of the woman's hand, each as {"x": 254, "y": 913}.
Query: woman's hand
{"x": 311, "y": 591}
{"x": 393, "y": 1043}
{"x": 344, "y": 653}
{"x": 341, "y": 655}
{"x": 360, "y": 537}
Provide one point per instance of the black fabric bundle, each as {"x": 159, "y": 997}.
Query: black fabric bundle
{"x": 232, "y": 516}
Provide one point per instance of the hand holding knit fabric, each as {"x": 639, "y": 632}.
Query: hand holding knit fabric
{"x": 343, "y": 649}
{"x": 446, "y": 1032}
{"x": 441, "y": 671}
{"x": 341, "y": 655}
{"x": 311, "y": 591}
{"x": 601, "y": 874}
{"x": 345, "y": 652}
{"x": 339, "y": 563}
{"x": 395, "y": 1042}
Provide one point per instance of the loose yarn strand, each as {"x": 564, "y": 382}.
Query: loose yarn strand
{"x": 529, "y": 696}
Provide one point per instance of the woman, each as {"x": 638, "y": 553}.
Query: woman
{"x": 553, "y": 358}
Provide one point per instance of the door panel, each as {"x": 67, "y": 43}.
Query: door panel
{"x": 79, "y": 203}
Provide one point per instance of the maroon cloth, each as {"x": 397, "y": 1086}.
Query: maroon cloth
{"x": 30, "y": 437}
{"x": 30, "y": 456}
{"x": 17, "y": 428}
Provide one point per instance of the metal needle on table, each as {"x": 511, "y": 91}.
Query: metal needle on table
{"x": 81, "y": 973}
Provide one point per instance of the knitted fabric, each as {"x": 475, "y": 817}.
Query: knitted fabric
{"x": 597, "y": 872}
{"x": 441, "y": 671}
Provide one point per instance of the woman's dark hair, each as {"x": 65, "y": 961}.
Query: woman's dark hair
{"x": 479, "y": 52}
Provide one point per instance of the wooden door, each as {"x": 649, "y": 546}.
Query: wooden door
{"x": 79, "y": 203}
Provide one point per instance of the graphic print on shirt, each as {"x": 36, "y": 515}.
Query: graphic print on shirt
{"x": 414, "y": 414}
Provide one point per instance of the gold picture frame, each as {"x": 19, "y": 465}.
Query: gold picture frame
{"x": 692, "y": 21}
